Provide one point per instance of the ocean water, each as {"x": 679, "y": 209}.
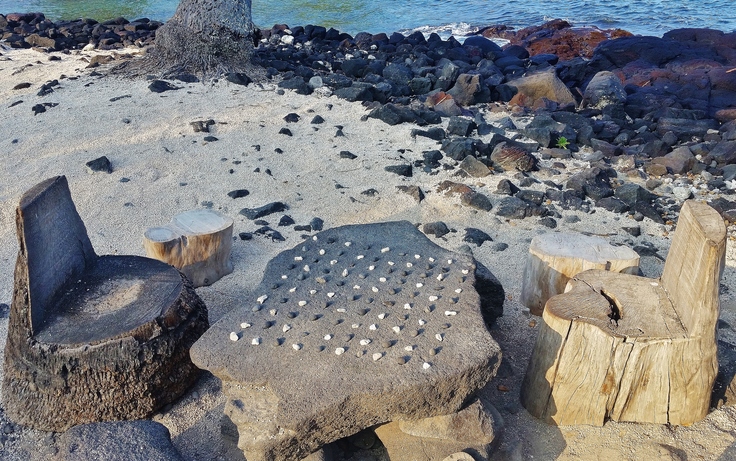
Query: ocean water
{"x": 458, "y": 17}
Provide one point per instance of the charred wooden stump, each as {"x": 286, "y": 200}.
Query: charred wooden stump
{"x": 91, "y": 338}
{"x": 627, "y": 348}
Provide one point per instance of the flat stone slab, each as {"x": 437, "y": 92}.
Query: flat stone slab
{"x": 118, "y": 441}
{"x": 360, "y": 325}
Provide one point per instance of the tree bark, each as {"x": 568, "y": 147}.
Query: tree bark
{"x": 197, "y": 242}
{"x": 205, "y": 37}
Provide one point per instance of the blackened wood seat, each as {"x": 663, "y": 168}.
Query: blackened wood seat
{"x": 91, "y": 338}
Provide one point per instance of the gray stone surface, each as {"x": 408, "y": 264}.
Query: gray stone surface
{"x": 361, "y": 325}
{"x": 474, "y": 430}
{"x": 117, "y": 441}
{"x": 604, "y": 89}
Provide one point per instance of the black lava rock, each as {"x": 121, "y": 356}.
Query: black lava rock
{"x": 612, "y": 204}
{"x": 99, "y": 165}
{"x": 269, "y": 233}
{"x": 286, "y": 220}
{"x": 477, "y": 236}
{"x": 317, "y": 224}
{"x": 438, "y": 229}
{"x": 160, "y": 86}
{"x": 401, "y": 170}
{"x": 238, "y": 193}
{"x": 265, "y": 210}
{"x": 460, "y": 126}
{"x": 548, "y": 222}
{"x": 459, "y": 148}
{"x": 476, "y": 200}
{"x": 514, "y": 207}
{"x": 432, "y": 158}
{"x": 238, "y": 78}
{"x": 506, "y": 187}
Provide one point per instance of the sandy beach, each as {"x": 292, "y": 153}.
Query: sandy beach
{"x": 161, "y": 167}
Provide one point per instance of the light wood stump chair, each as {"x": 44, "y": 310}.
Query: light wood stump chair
{"x": 91, "y": 338}
{"x": 555, "y": 257}
{"x": 628, "y": 348}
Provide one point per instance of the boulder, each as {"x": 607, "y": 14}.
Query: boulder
{"x": 603, "y": 90}
{"x": 490, "y": 49}
{"x": 367, "y": 324}
{"x": 474, "y": 167}
{"x": 685, "y": 128}
{"x": 679, "y": 161}
{"x": 543, "y": 84}
{"x": 593, "y": 182}
{"x": 509, "y": 158}
{"x": 459, "y": 148}
{"x": 516, "y": 208}
{"x": 631, "y": 194}
{"x": 460, "y": 126}
{"x": 724, "y": 152}
{"x": 468, "y": 90}
{"x": 117, "y": 441}
{"x": 474, "y": 429}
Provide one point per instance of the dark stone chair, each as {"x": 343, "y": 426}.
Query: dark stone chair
{"x": 91, "y": 338}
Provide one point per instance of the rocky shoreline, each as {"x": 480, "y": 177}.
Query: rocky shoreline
{"x": 659, "y": 111}
{"x": 632, "y": 125}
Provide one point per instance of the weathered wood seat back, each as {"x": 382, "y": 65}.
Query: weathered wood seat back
{"x": 53, "y": 240}
{"x": 694, "y": 266}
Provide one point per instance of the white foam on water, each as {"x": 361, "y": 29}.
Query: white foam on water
{"x": 459, "y": 30}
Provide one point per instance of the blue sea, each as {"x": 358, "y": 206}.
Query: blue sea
{"x": 458, "y": 17}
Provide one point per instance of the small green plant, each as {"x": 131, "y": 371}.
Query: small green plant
{"x": 562, "y": 142}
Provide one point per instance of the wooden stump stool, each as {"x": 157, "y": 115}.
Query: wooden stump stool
{"x": 197, "y": 242}
{"x": 627, "y": 348}
{"x": 554, "y": 258}
{"x": 91, "y": 338}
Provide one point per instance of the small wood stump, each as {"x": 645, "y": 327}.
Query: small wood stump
{"x": 554, "y": 258}
{"x": 632, "y": 348}
{"x": 197, "y": 242}
{"x": 91, "y": 338}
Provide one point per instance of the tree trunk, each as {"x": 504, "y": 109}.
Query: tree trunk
{"x": 197, "y": 242}
{"x": 205, "y": 37}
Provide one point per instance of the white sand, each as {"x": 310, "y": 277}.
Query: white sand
{"x": 158, "y": 150}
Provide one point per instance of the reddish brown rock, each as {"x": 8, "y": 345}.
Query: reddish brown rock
{"x": 726, "y": 115}
{"x": 557, "y": 37}
{"x": 443, "y": 103}
{"x": 541, "y": 85}
{"x": 454, "y": 188}
{"x": 511, "y": 158}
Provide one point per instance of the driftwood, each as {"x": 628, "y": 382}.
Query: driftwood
{"x": 554, "y": 258}
{"x": 631, "y": 348}
{"x": 91, "y": 338}
{"x": 197, "y": 242}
